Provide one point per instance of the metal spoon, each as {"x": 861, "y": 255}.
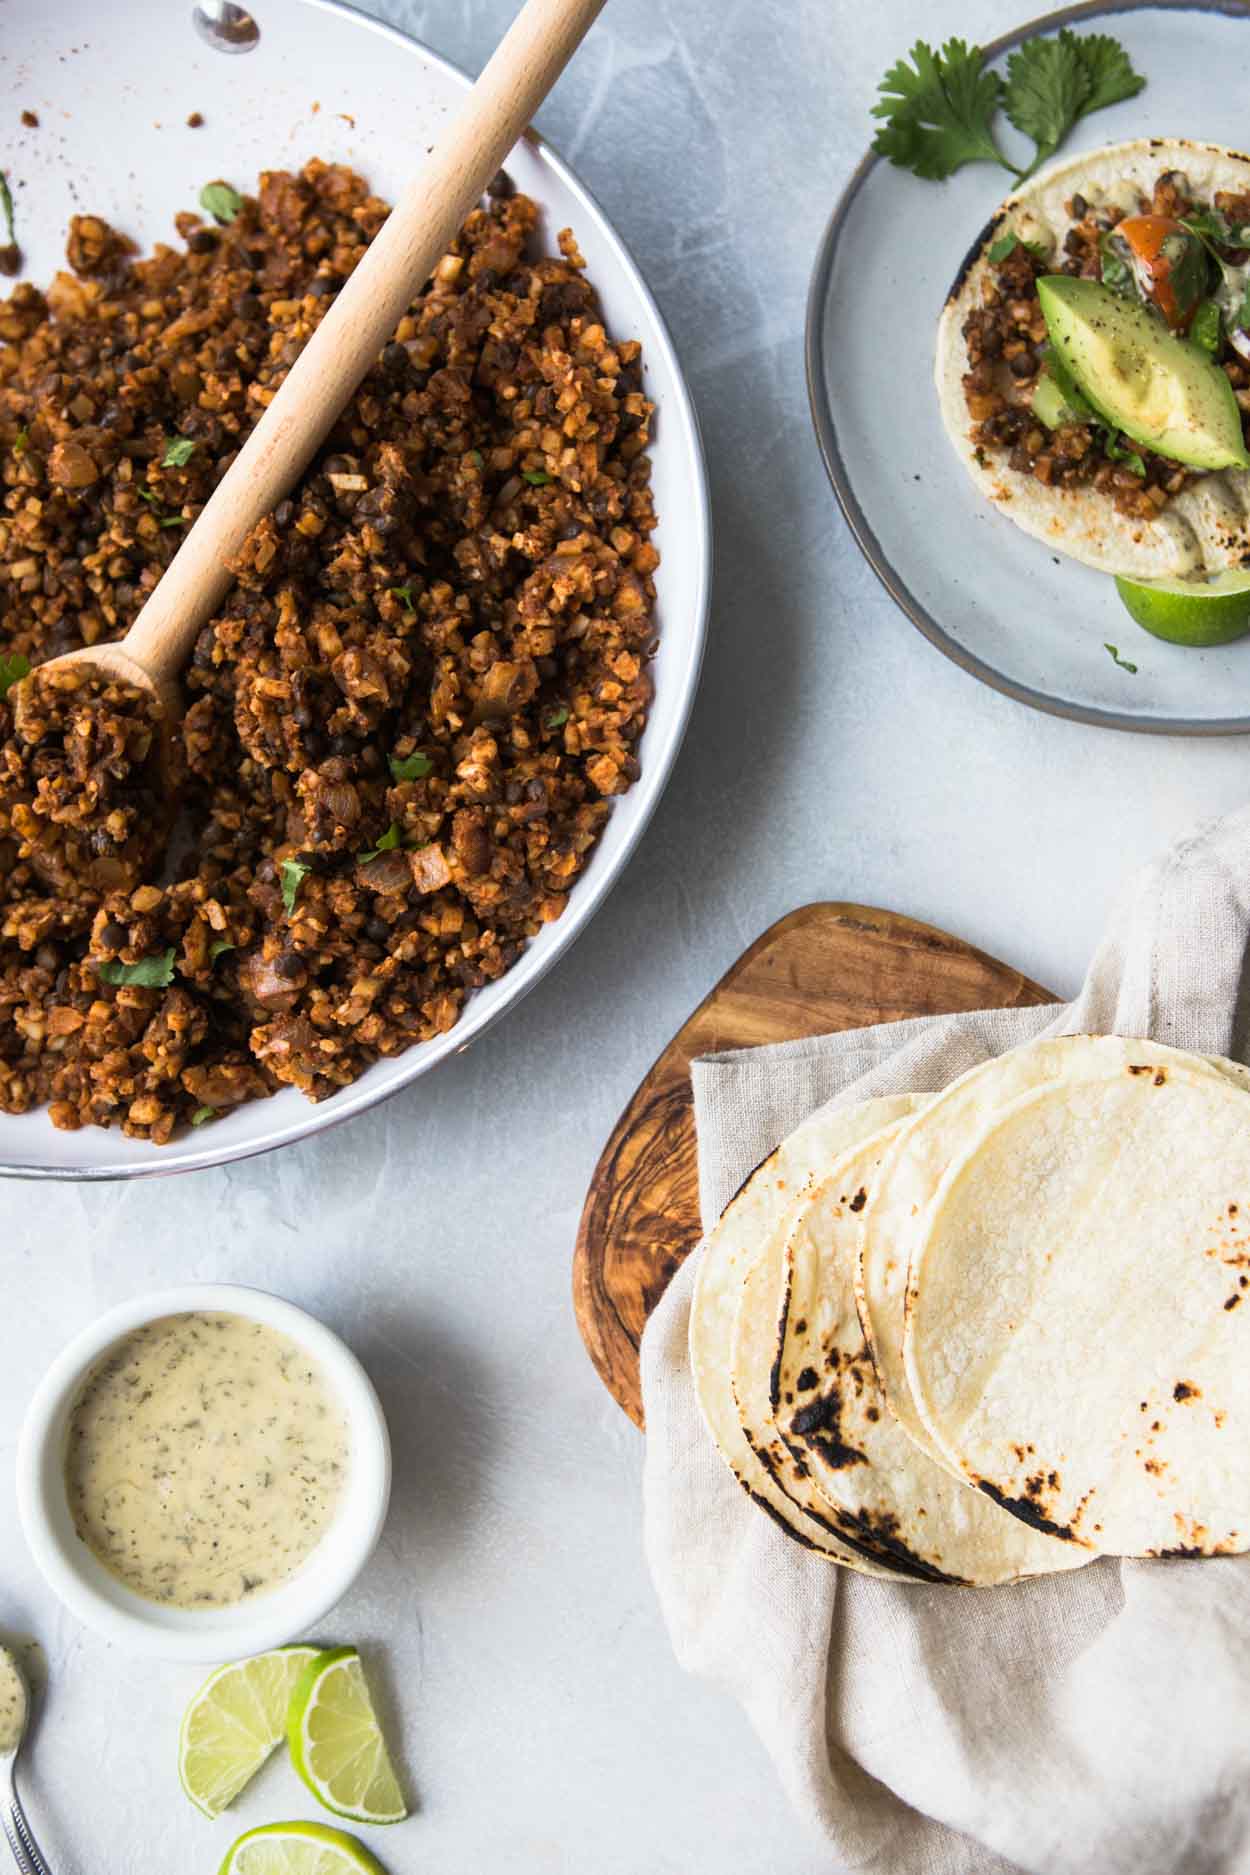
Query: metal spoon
{"x": 14, "y": 1720}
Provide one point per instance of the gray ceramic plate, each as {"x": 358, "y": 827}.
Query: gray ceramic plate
{"x": 987, "y": 595}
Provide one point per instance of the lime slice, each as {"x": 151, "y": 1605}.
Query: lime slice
{"x": 233, "y": 1724}
{"x": 1190, "y": 611}
{"x": 336, "y": 1742}
{"x": 299, "y": 1849}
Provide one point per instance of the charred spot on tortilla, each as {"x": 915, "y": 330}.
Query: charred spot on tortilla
{"x": 808, "y": 1379}
{"x": 820, "y": 1425}
{"x": 860, "y": 1199}
{"x": 883, "y": 1528}
{"x": 1186, "y": 1390}
{"x": 1234, "y": 1301}
{"x": 774, "y": 1372}
{"x": 975, "y": 252}
{"x": 1028, "y": 1512}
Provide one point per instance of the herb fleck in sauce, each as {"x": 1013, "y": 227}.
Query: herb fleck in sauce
{"x": 205, "y": 1460}
{"x": 12, "y": 1704}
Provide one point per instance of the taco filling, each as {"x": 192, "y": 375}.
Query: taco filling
{"x": 1181, "y": 254}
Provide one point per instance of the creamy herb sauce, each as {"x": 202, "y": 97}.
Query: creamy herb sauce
{"x": 205, "y": 1460}
{"x": 12, "y": 1704}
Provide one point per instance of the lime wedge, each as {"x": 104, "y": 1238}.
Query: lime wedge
{"x": 299, "y": 1849}
{"x": 1190, "y": 611}
{"x": 336, "y": 1742}
{"x": 233, "y": 1724}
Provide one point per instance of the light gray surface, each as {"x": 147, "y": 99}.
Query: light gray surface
{"x": 833, "y": 754}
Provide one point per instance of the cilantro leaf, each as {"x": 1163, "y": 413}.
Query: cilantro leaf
{"x": 537, "y": 478}
{"x": 1008, "y": 243}
{"x": 178, "y": 452}
{"x": 937, "y": 111}
{"x": 556, "y": 719}
{"x": 1053, "y": 82}
{"x": 21, "y": 442}
{"x": 292, "y": 872}
{"x": 202, "y": 1114}
{"x": 1209, "y": 225}
{"x": 387, "y": 844}
{"x": 1108, "y": 68}
{"x": 150, "y": 973}
{"x": 1115, "y": 450}
{"x": 410, "y": 767}
{"x": 218, "y": 948}
{"x": 1117, "y": 659}
{"x": 13, "y": 667}
{"x": 1047, "y": 85}
{"x": 404, "y": 595}
{"x": 220, "y": 201}
{"x": 6, "y": 207}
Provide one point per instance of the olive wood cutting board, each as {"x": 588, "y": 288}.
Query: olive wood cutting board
{"x": 821, "y": 968}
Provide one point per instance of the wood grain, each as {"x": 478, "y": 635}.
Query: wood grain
{"x": 821, "y": 969}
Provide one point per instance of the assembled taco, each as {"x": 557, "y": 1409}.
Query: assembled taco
{"x": 1106, "y": 411}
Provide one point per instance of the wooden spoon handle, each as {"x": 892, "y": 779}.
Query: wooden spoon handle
{"x": 398, "y": 262}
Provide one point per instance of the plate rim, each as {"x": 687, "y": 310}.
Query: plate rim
{"x": 820, "y": 406}
{"x": 319, "y": 1118}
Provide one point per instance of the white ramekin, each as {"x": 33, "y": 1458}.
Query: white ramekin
{"x": 287, "y": 1613}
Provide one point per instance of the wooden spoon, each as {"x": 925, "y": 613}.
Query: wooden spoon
{"x": 394, "y": 268}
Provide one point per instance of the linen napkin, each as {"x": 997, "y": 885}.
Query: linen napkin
{"x": 1079, "y": 1724}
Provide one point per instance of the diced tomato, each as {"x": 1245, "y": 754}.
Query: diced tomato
{"x": 1168, "y": 262}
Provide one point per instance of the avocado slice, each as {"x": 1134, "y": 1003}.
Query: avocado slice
{"x": 1056, "y": 400}
{"x": 1142, "y": 379}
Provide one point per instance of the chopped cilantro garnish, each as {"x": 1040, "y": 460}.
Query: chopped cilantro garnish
{"x": 292, "y": 872}
{"x": 178, "y": 452}
{"x": 556, "y": 719}
{"x": 410, "y": 767}
{"x": 387, "y": 844}
{"x": 404, "y": 595}
{"x": 21, "y": 442}
{"x": 938, "y": 111}
{"x": 6, "y": 207}
{"x": 218, "y": 948}
{"x": 475, "y": 457}
{"x": 537, "y": 478}
{"x": 173, "y": 520}
{"x": 1117, "y": 659}
{"x": 13, "y": 667}
{"x": 1114, "y": 448}
{"x": 150, "y": 973}
{"x": 220, "y": 201}
{"x": 1008, "y": 243}
{"x": 203, "y": 1114}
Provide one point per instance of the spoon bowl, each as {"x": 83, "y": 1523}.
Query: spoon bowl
{"x": 15, "y": 1704}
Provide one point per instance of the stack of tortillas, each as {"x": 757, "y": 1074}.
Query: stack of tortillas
{"x": 997, "y": 1331}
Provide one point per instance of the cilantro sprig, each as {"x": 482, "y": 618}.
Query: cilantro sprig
{"x": 6, "y": 207}
{"x": 938, "y": 111}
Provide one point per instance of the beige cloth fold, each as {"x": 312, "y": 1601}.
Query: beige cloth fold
{"x": 1082, "y": 1724}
